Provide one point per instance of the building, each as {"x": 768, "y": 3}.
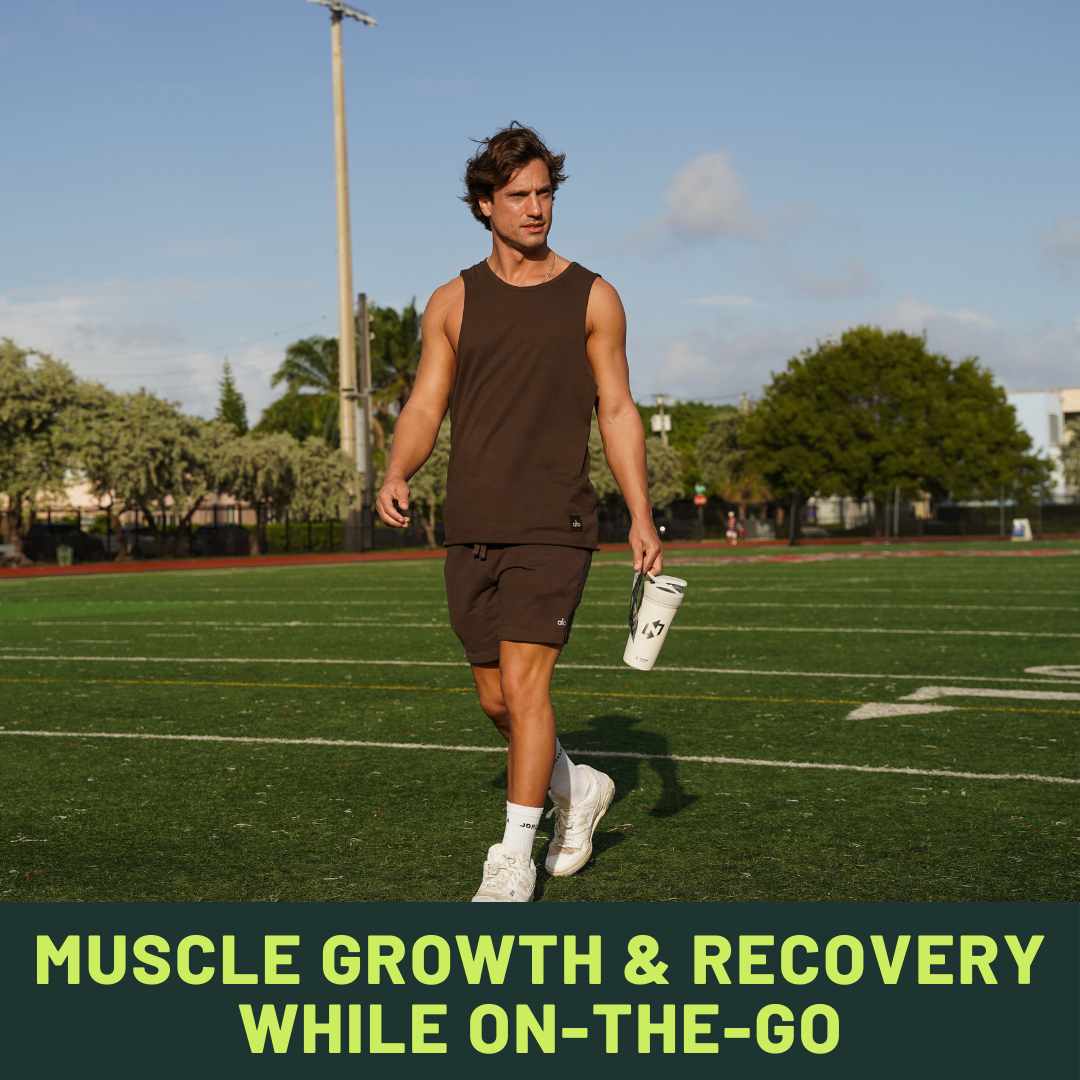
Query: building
{"x": 1043, "y": 414}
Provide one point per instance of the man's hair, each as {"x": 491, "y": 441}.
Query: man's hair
{"x": 499, "y": 157}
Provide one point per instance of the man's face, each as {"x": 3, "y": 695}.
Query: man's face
{"x": 520, "y": 211}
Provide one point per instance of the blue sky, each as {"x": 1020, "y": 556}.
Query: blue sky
{"x": 751, "y": 176}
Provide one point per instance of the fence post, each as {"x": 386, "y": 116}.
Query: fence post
{"x": 1001, "y": 503}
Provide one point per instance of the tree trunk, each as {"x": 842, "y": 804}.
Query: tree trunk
{"x": 13, "y": 528}
{"x": 257, "y": 544}
{"x": 429, "y": 527}
{"x": 117, "y": 529}
{"x": 159, "y": 539}
{"x": 879, "y": 517}
{"x": 182, "y": 530}
{"x": 793, "y": 520}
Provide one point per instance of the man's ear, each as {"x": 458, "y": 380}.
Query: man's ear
{"x": 485, "y": 206}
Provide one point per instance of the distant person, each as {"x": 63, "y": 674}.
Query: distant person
{"x": 732, "y": 529}
{"x": 521, "y": 348}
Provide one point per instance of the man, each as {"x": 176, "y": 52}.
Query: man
{"x": 521, "y": 348}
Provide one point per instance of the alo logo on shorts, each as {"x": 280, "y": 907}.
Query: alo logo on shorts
{"x": 561, "y": 622}
{"x": 575, "y": 522}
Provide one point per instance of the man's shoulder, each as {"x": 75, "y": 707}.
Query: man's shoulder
{"x": 445, "y": 299}
{"x": 604, "y": 303}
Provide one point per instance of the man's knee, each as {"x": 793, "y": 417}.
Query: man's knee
{"x": 491, "y": 701}
{"x": 523, "y": 690}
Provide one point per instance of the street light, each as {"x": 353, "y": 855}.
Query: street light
{"x": 359, "y": 449}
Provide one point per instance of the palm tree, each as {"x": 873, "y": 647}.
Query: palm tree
{"x": 310, "y": 403}
{"x": 395, "y": 354}
{"x": 309, "y": 371}
{"x": 725, "y": 466}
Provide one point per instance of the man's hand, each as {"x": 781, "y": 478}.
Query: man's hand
{"x": 645, "y": 545}
{"x": 393, "y": 500}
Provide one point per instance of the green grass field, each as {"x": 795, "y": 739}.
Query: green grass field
{"x": 765, "y": 663}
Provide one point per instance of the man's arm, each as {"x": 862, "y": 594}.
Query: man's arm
{"x": 620, "y": 421}
{"x": 417, "y": 427}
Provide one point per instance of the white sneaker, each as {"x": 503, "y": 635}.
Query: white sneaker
{"x": 571, "y": 845}
{"x": 509, "y": 877}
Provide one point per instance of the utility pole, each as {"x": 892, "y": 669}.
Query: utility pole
{"x": 347, "y": 374}
{"x": 365, "y": 457}
{"x": 661, "y": 422}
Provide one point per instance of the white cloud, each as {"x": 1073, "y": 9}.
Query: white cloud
{"x": 853, "y": 280}
{"x": 1060, "y": 244}
{"x": 719, "y": 366}
{"x": 911, "y": 315}
{"x": 706, "y": 199}
{"x": 723, "y": 364}
{"x": 127, "y": 335}
{"x": 727, "y": 302}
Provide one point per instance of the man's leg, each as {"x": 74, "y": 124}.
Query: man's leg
{"x": 516, "y": 695}
{"x": 567, "y": 781}
{"x": 525, "y": 676}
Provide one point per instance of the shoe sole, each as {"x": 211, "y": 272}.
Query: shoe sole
{"x": 586, "y": 854}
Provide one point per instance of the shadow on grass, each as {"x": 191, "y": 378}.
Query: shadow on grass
{"x": 617, "y": 732}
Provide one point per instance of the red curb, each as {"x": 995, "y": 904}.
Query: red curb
{"x": 988, "y": 538}
{"x": 247, "y": 561}
{"x": 238, "y": 563}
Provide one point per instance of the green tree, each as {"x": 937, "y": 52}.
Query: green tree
{"x": 1070, "y": 455}
{"x": 666, "y": 469}
{"x": 36, "y": 415}
{"x": 427, "y": 488}
{"x": 104, "y": 439}
{"x": 689, "y": 422}
{"x": 875, "y": 411}
{"x": 261, "y": 471}
{"x": 724, "y": 463}
{"x": 324, "y": 479}
{"x": 140, "y": 451}
{"x": 600, "y": 474}
{"x": 395, "y": 355}
{"x": 310, "y": 404}
{"x": 232, "y": 409}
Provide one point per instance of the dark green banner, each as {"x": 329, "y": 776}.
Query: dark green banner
{"x": 768, "y": 990}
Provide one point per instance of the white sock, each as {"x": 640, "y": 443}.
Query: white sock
{"x": 567, "y": 780}
{"x": 521, "y": 823}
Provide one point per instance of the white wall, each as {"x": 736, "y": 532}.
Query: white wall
{"x": 1040, "y": 414}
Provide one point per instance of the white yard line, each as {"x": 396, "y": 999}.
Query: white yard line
{"x": 835, "y": 630}
{"x": 928, "y": 693}
{"x": 577, "y": 753}
{"x": 854, "y": 605}
{"x": 874, "y": 710}
{"x": 561, "y": 667}
{"x": 682, "y": 628}
{"x": 860, "y": 605}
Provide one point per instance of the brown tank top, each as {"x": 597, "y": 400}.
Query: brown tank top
{"x": 520, "y": 413}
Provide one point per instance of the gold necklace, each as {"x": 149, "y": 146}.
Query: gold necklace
{"x": 554, "y": 260}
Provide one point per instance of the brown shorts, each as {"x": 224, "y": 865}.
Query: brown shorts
{"x": 513, "y": 592}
